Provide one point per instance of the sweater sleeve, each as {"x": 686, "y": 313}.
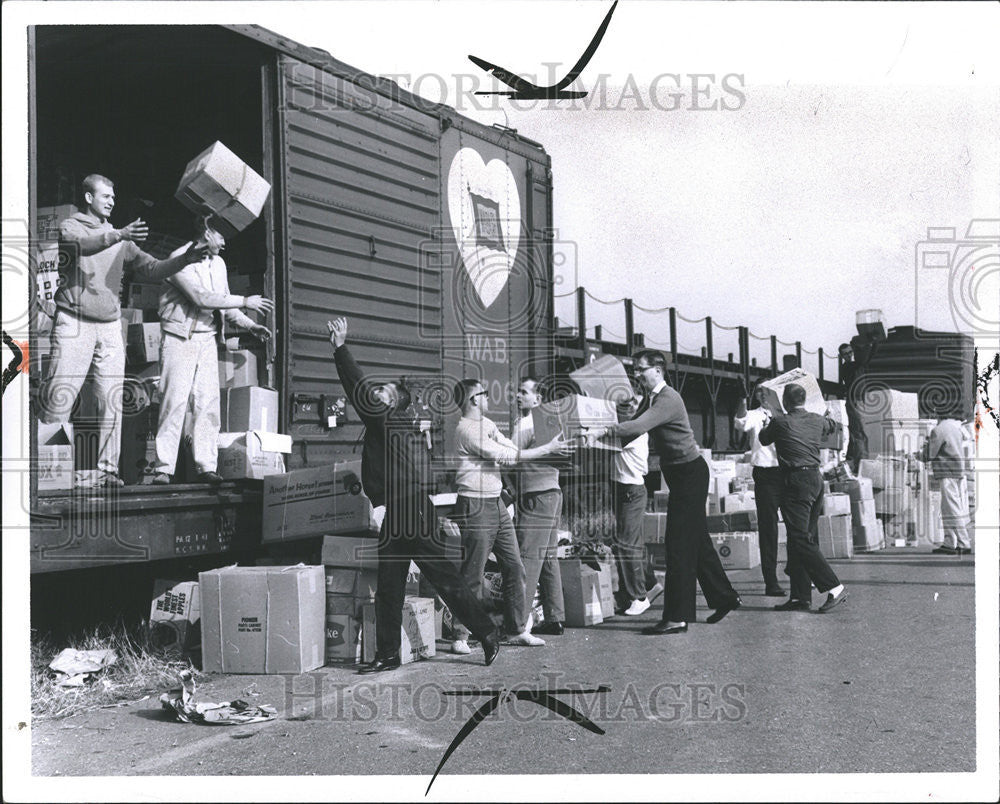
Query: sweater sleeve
{"x": 187, "y": 281}
{"x": 351, "y": 376}
{"x": 659, "y": 412}
{"x": 492, "y": 445}
{"x": 766, "y": 435}
{"x": 78, "y": 237}
{"x": 146, "y": 267}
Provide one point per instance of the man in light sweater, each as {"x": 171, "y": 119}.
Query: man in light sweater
{"x": 690, "y": 553}
{"x": 768, "y": 486}
{"x": 945, "y": 452}
{"x": 189, "y": 358}
{"x": 480, "y": 515}
{"x": 538, "y": 504}
{"x": 87, "y": 330}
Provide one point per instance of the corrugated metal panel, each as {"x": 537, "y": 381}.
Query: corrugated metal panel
{"x": 361, "y": 201}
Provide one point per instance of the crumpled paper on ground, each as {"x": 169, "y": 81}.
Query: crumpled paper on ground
{"x": 75, "y": 666}
{"x": 236, "y": 713}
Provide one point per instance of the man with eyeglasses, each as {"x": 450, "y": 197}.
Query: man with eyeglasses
{"x": 690, "y": 553}
{"x": 480, "y": 514}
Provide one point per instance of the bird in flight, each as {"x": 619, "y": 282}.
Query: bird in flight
{"x": 525, "y": 90}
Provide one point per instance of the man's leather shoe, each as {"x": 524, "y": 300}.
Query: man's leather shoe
{"x": 793, "y": 605}
{"x": 663, "y": 628}
{"x": 491, "y": 647}
{"x": 381, "y": 665}
{"x": 945, "y": 550}
{"x": 210, "y": 477}
{"x": 774, "y": 591}
{"x": 832, "y": 601}
{"x": 722, "y": 611}
{"x": 549, "y": 628}
{"x": 963, "y": 551}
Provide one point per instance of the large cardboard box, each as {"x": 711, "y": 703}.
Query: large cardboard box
{"x": 317, "y": 501}
{"x": 605, "y": 587}
{"x": 342, "y": 630}
{"x": 885, "y": 471}
{"x": 879, "y": 404}
{"x": 604, "y": 378}
{"x": 869, "y": 536}
{"x": 892, "y": 501}
{"x": 218, "y": 181}
{"x": 175, "y": 616}
{"x": 55, "y": 457}
{"x": 262, "y": 619}
{"x": 137, "y": 460}
{"x": 654, "y": 527}
{"x": 774, "y": 388}
{"x": 249, "y": 408}
{"x": 350, "y": 552}
{"x": 571, "y": 415}
{"x": 143, "y": 343}
{"x": 359, "y": 583}
{"x": 836, "y": 503}
{"x": 581, "y": 593}
{"x": 857, "y": 489}
{"x": 252, "y": 455}
{"x": 737, "y": 550}
{"x": 836, "y": 539}
{"x": 418, "y": 639}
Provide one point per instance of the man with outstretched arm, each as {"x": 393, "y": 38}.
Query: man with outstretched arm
{"x": 87, "y": 331}
{"x": 396, "y": 472}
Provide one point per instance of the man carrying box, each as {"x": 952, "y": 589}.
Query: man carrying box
{"x": 189, "y": 358}
{"x": 690, "y": 553}
{"x": 396, "y": 472}
{"x": 797, "y": 436}
{"x": 87, "y": 330}
{"x": 482, "y": 517}
{"x": 768, "y": 485}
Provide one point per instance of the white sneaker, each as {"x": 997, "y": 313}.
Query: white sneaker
{"x": 461, "y": 647}
{"x": 655, "y": 592}
{"x": 637, "y": 607}
{"x": 527, "y": 639}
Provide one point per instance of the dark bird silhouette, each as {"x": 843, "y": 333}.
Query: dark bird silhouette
{"x": 502, "y": 694}
{"x": 525, "y": 90}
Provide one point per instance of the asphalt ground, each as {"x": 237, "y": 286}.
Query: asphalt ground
{"x": 884, "y": 683}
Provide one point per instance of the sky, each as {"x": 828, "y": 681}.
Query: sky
{"x": 856, "y": 128}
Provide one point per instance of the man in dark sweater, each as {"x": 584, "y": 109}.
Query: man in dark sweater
{"x": 87, "y": 329}
{"x": 797, "y": 436}
{"x": 396, "y": 472}
{"x": 690, "y": 553}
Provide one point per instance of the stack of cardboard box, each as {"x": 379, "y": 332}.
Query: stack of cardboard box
{"x": 250, "y": 446}
{"x": 865, "y": 526}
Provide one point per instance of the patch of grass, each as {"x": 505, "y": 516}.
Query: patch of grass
{"x": 141, "y": 669}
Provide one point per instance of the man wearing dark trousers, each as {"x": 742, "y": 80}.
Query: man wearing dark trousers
{"x": 690, "y": 553}
{"x": 768, "y": 485}
{"x": 797, "y": 437}
{"x": 396, "y": 472}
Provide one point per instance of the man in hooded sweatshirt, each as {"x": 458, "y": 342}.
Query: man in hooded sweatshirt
{"x": 87, "y": 330}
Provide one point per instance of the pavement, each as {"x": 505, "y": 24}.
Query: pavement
{"x": 884, "y": 683}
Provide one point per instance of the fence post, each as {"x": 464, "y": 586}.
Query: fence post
{"x": 673, "y": 335}
{"x": 581, "y": 320}
{"x": 708, "y": 342}
{"x": 821, "y": 364}
{"x": 774, "y": 354}
{"x": 798, "y": 354}
{"x": 629, "y": 327}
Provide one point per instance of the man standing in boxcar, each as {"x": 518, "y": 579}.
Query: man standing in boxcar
{"x": 690, "y": 553}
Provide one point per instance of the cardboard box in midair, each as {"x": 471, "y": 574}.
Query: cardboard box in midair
{"x": 604, "y": 378}
{"x": 262, "y": 619}
{"x": 571, "y": 415}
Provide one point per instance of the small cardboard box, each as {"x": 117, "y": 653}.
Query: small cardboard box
{"x": 605, "y": 585}
{"x": 734, "y": 522}
{"x": 836, "y": 539}
{"x": 723, "y": 468}
{"x": 252, "y": 455}
{"x": 604, "y": 378}
{"x": 571, "y": 415}
{"x": 857, "y": 489}
{"x": 774, "y": 388}
{"x": 350, "y": 552}
{"x": 237, "y": 369}
{"x": 886, "y": 472}
{"x": 741, "y": 501}
{"x": 249, "y": 408}
{"x": 737, "y": 550}
{"x": 262, "y": 619}
{"x": 418, "y": 639}
{"x": 143, "y": 343}
{"x": 137, "y": 461}
{"x": 49, "y": 218}
{"x": 863, "y": 511}
{"x": 581, "y": 593}
{"x": 359, "y": 583}
{"x": 892, "y": 501}
{"x": 174, "y": 616}
{"x": 654, "y": 528}
{"x": 835, "y": 504}
{"x": 322, "y": 500}
{"x": 660, "y": 501}
{"x": 869, "y": 536}
{"x": 55, "y": 457}
{"x": 218, "y": 181}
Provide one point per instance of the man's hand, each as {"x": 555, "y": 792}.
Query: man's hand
{"x": 338, "y": 331}
{"x": 196, "y": 252}
{"x": 560, "y": 446}
{"x": 137, "y": 231}
{"x": 260, "y": 332}
{"x": 594, "y": 434}
{"x": 259, "y": 304}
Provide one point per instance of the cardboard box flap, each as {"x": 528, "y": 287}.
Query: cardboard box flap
{"x": 814, "y": 397}
{"x": 273, "y": 442}
{"x": 55, "y": 435}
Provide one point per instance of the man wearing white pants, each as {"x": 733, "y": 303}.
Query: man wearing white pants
{"x": 87, "y": 330}
{"x": 945, "y": 452}
{"x": 189, "y": 360}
